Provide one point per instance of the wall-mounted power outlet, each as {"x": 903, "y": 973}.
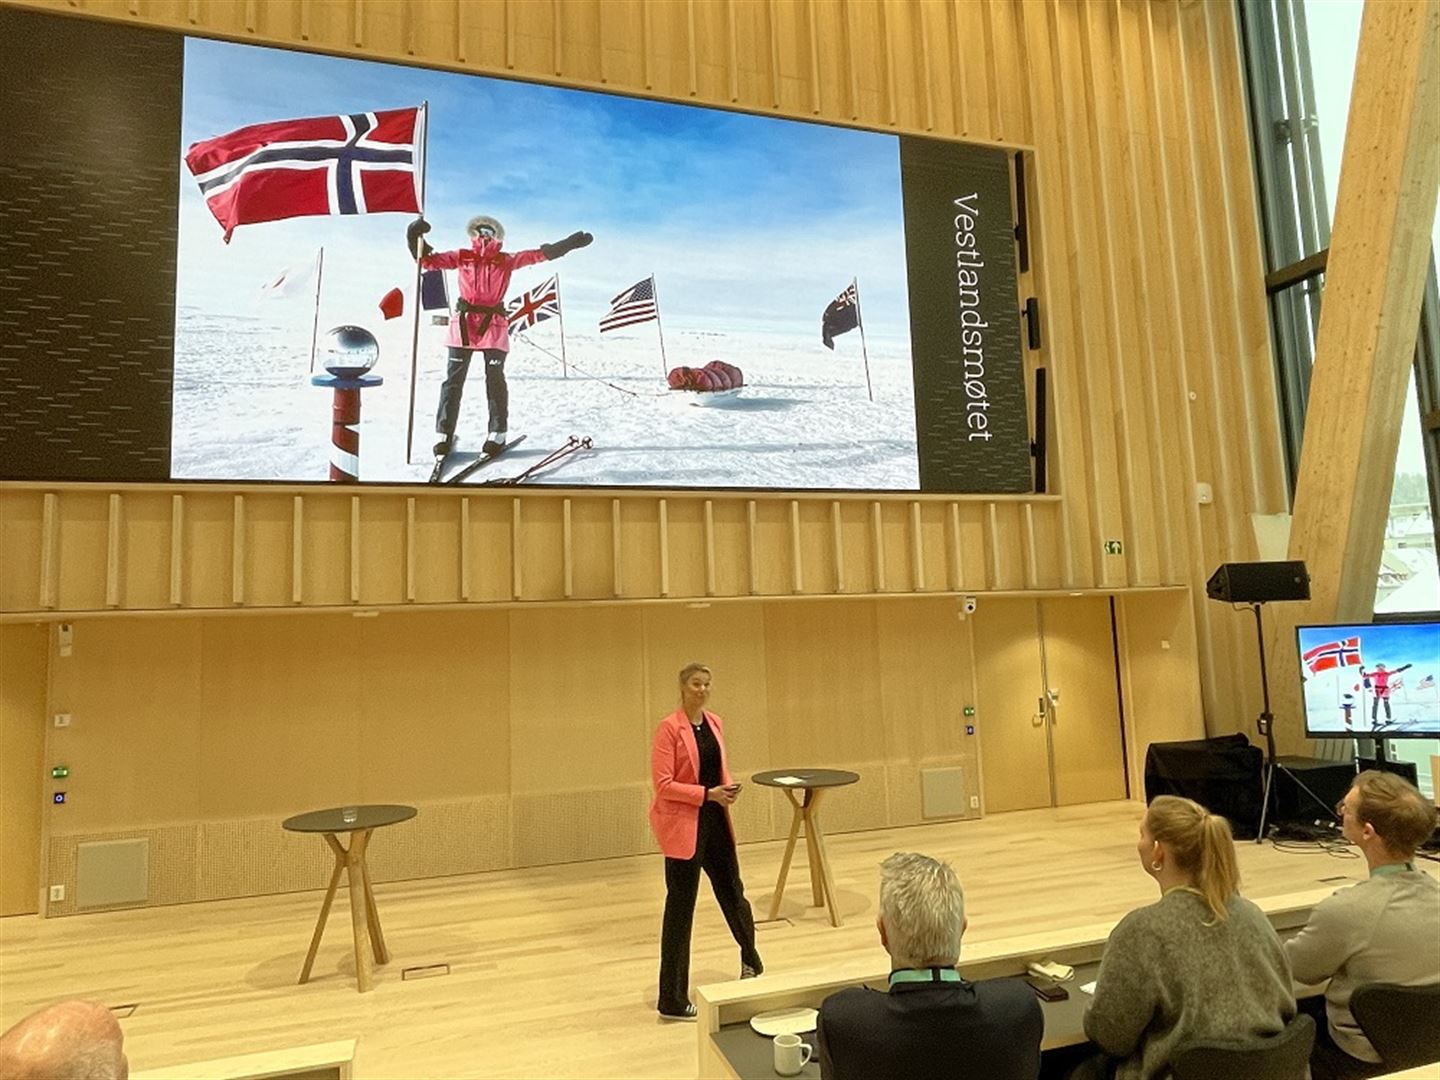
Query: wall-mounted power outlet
{"x": 57, "y": 893}
{"x": 974, "y": 802}
{"x": 62, "y": 719}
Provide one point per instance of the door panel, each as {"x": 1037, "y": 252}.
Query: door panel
{"x": 1013, "y": 752}
{"x": 1085, "y": 715}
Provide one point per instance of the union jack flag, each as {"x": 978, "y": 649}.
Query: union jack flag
{"x": 361, "y": 163}
{"x": 1333, "y": 654}
{"x": 535, "y": 305}
{"x": 635, "y": 305}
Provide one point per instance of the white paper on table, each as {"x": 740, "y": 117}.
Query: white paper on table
{"x": 1088, "y": 988}
{"x": 789, "y": 780}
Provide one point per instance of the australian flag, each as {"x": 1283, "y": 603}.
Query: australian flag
{"x": 361, "y": 163}
{"x": 842, "y": 315}
{"x": 535, "y": 305}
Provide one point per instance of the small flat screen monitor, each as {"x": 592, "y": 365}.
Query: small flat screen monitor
{"x": 1371, "y": 680}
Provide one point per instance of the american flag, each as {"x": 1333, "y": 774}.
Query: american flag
{"x": 1332, "y": 654}
{"x": 535, "y": 305}
{"x": 635, "y": 305}
{"x": 360, "y": 163}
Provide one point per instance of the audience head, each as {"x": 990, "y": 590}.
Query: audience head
{"x": 922, "y": 911}
{"x": 1384, "y": 815}
{"x": 1183, "y": 843}
{"x": 71, "y": 1040}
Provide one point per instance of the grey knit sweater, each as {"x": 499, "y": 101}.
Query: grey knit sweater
{"x": 1168, "y": 979}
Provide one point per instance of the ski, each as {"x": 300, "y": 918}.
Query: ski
{"x": 570, "y": 447}
{"x": 477, "y": 464}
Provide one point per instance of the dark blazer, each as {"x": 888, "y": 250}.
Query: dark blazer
{"x": 987, "y": 1030}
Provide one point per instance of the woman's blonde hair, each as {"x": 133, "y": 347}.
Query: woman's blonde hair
{"x": 690, "y": 669}
{"x": 1200, "y": 843}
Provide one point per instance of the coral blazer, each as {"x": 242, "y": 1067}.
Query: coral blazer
{"x": 679, "y": 795}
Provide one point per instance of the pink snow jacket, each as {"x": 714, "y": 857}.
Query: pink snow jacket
{"x": 484, "y": 280}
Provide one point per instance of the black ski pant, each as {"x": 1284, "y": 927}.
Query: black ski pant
{"x": 1375, "y": 708}
{"x": 497, "y": 391}
{"x": 715, "y": 854}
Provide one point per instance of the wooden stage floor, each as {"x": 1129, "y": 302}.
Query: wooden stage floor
{"x": 552, "y": 969}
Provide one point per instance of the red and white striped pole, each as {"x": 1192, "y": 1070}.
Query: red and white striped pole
{"x": 345, "y": 423}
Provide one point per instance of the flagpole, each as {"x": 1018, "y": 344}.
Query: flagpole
{"x": 664, "y": 363}
{"x": 864, "y": 350}
{"x": 560, "y": 309}
{"x": 315, "y": 326}
{"x": 423, "y": 119}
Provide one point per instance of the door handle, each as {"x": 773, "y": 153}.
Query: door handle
{"x": 1037, "y": 719}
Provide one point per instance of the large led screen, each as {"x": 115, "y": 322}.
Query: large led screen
{"x": 611, "y": 291}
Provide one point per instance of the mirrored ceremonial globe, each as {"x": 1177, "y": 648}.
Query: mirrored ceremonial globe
{"x": 349, "y": 351}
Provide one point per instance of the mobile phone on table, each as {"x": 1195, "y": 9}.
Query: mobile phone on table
{"x": 1048, "y": 989}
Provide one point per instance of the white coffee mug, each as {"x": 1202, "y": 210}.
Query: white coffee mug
{"x": 791, "y": 1055}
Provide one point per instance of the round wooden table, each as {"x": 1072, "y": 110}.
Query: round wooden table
{"x": 359, "y": 822}
{"x": 813, "y": 783}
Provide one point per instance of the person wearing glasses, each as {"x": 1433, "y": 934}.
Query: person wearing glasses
{"x": 1386, "y": 929}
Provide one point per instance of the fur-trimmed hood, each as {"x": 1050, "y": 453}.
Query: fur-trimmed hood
{"x": 485, "y": 219}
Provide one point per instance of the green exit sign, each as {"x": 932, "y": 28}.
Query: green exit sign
{"x": 1114, "y": 547}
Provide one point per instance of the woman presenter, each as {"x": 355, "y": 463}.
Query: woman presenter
{"x": 691, "y": 819}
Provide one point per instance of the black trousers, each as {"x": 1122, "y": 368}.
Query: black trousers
{"x": 1375, "y": 708}
{"x": 497, "y": 391}
{"x": 715, "y": 854}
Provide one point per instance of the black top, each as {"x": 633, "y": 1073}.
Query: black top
{"x": 709, "y": 748}
{"x": 989, "y": 1031}
{"x": 333, "y": 820}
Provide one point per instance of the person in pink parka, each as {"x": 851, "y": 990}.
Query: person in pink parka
{"x": 690, "y": 817}
{"x": 479, "y": 323}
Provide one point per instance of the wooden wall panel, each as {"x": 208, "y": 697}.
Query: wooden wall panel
{"x": 1146, "y": 259}
{"x": 23, "y": 722}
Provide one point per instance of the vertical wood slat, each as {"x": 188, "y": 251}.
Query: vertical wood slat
{"x": 959, "y": 106}
{"x": 1032, "y": 569}
{"x": 192, "y": 11}
{"x": 814, "y": 58}
{"x": 49, "y": 548}
{"x": 922, "y": 41}
{"x": 567, "y": 552}
{"x": 709, "y": 547}
{"x": 888, "y": 52}
{"x": 237, "y": 550}
{"x": 509, "y": 32}
{"x": 297, "y": 549}
{"x": 733, "y": 47}
{"x": 692, "y": 50}
{"x": 774, "y": 27}
{"x": 408, "y": 21}
{"x": 797, "y": 575}
{"x": 664, "y": 548}
{"x": 465, "y": 548}
{"x": 992, "y": 542}
{"x": 618, "y": 560}
{"x": 851, "y": 67}
{"x": 304, "y": 19}
{"x": 410, "y": 549}
{"x": 251, "y": 16}
{"x": 877, "y": 542}
{"x": 354, "y": 549}
{"x": 752, "y": 547}
{"x": 917, "y": 550}
{"x": 177, "y": 550}
{"x": 993, "y": 75}
{"x": 645, "y": 47}
{"x": 957, "y": 573}
{"x": 112, "y": 552}
{"x": 837, "y": 540}
{"x": 557, "y": 19}
{"x": 515, "y": 550}
{"x": 460, "y": 7}
{"x": 358, "y": 7}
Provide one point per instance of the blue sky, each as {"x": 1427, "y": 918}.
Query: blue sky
{"x": 746, "y": 221}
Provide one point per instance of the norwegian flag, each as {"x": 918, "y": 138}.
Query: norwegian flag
{"x": 535, "y": 305}
{"x": 1333, "y": 654}
{"x": 363, "y": 163}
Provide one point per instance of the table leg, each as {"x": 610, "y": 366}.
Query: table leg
{"x": 325, "y": 906}
{"x": 812, "y": 852}
{"x": 825, "y": 875}
{"x": 795, "y": 819}
{"x": 354, "y": 864}
{"x": 372, "y": 914}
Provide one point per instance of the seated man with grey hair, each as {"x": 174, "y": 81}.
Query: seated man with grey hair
{"x": 70, "y": 1040}
{"x": 931, "y": 1022}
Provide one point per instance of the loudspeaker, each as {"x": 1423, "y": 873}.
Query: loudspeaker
{"x": 1259, "y": 582}
{"x": 1328, "y": 782}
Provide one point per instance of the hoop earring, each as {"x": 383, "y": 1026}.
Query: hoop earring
{"x": 1156, "y": 866}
